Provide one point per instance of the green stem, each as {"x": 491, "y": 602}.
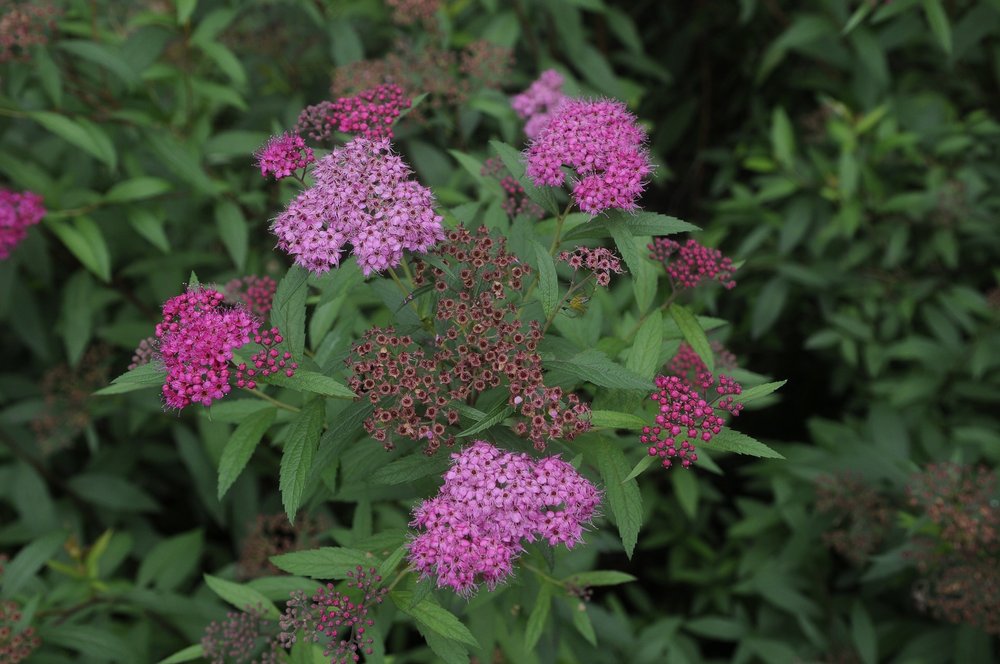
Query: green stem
{"x": 559, "y": 225}
{"x": 280, "y": 404}
{"x": 395, "y": 582}
{"x": 542, "y": 574}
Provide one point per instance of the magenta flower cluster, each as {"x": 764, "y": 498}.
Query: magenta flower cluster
{"x": 369, "y": 114}
{"x": 537, "y": 102}
{"x": 490, "y": 503}
{"x": 18, "y": 211}
{"x": 363, "y": 196}
{"x": 196, "y": 340}
{"x": 687, "y": 417}
{"x": 600, "y": 261}
{"x": 603, "y": 143}
{"x": 282, "y": 155}
{"x": 693, "y": 263}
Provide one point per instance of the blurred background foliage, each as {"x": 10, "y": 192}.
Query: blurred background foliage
{"x": 848, "y": 151}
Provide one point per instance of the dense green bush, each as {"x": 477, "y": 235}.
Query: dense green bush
{"x": 845, "y": 154}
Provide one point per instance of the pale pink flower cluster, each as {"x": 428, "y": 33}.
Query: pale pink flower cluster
{"x": 363, "y": 196}
{"x": 195, "y": 342}
{"x": 687, "y": 417}
{"x": 600, "y": 261}
{"x": 603, "y": 143}
{"x": 282, "y": 155}
{"x": 537, "y": 102}
{"x": 18, "y": 211}
{"x": 490, "y": 503}
{"x": 693, "y": 263}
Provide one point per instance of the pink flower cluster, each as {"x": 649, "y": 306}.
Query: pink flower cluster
{"x": 282, "y": 155}
{"x": 342, "y": 617}
{"x": 600, "y": 261}
{"x": 196, "y": 341}
{"x": 537, "y": 102}
{"x": 603, "y": 143}
{"x": 490, "y": 502}
{"x": 18, "y": 211}
{"x": 693, "y": 264}
{"x": 23, "y": 25}
{"x": 364, "y": 196}
{"x": 370, "y": 114}
{"x": 268, "y": 360}
{"x": 686, "y": 416}
{"x": 254, "y": 292}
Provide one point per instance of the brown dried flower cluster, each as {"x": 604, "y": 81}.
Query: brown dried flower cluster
{"x": 273, "y": 535}
{"x": 65, "y": 391}
{"x": 860, "y": 515}
{"x": 479, "y": 345}
{"x": 16, "y": 644}
{"x": 23, "y": 25}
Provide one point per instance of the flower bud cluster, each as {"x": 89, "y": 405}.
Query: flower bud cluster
{"x": 282, "y": 155}
{"x": 342, "y": 616}
{"x": 601, "y": 261}
{"x": 693, "y": 264}
{"x": 687, "y": 417}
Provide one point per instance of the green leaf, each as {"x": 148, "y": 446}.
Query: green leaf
{"x": 409, "y": 468}
{"x": 328, "y": 562}
{"x": 729, "y": 440}
{"x": 94, "y": 643}
{"x": 644, "y": 463}
{"x": 233, "y": 231}
{"x": 496, "y": 415}
{"x": 938, "y": 20}
{"x": 226, "y": 61}
{"x": 644, "y": 357}
{"x": 434, "y": 617}
{"x": 599, "y": 578}
{"x": 297, "y": 456}
{"x": 758, "y": 391}
{"x": 609, "y": 419}
{"x": 242, "y": 597}
{"x": 581, "y": 620}
{"x": 112, "y": 491}
{"x": 448, "y": 651}
{"x": 623, "y": 495}
{"x": 548, "y": 282}
{"x": 137, "y": 189}
{"x": 184, "y": 10}
{"x": 539, "y": 616}
{"x": 169, "y": 562}
{"x": 28, "y": 561}
{"x": 188, "y": 654}
{"x": 782, "y": 138}
{"x": 769, "y": 304}
{"x": 311, "y": 381}
{"x": 512, "y": 159}
{"x": 693, "y": 334}
{"x": 863, "y": 634}
{"x": 84, "y": 240}
{"x": 76, "y": 133}
{"x": 103, "y": 56}
{"x": 639, "y": 224}
{"x": 289, "y": 309}
{"x": 686, "y": 489}
{"x": 77, "y": 318}
{"x": 150, "y": 227}
{"x": 594, "y": 366}
{"x": 240, "y": 446}
{"x": 140, "y": 378}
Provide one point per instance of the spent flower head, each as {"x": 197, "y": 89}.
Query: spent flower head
{"x": 601, "y": 262}
{"x": 243, "y": 637}
{"x": 18, "y": 211}
{"x": 23, "y": 25}
{"x": 17, "y": 641}
{"x": 479, "y": 344}
{"x": 604, "y": 145}
{"x": 363, "y": 196}
{"x": 860, "y": 515}
{"x": 491, "y": 503}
